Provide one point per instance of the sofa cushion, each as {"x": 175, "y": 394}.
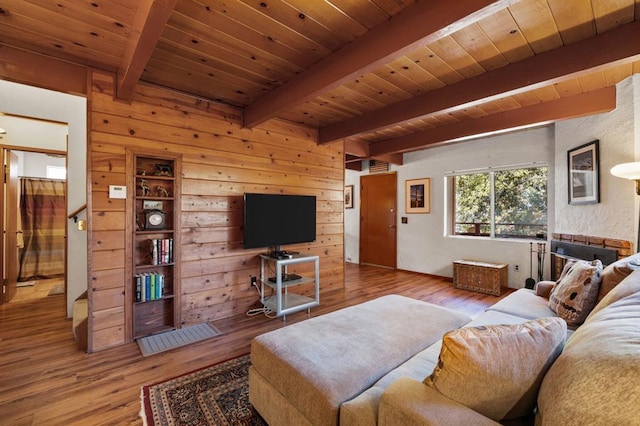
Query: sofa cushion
{"x": 408, "y": 402}
{"x": 576, "y": 293}
{"x": 524, "y": 303}
{"x": 363, "y": 409}
{"x": 595, "y": 379}
{"x": 614, "y": 273}
{"x": 319, "y": 363}
{"x": 627, "y": 287}
{"x": 496, "y": 370}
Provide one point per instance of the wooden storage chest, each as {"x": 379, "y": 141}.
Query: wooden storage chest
{"x": 483, "y": 277}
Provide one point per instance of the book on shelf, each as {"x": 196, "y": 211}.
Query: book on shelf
{"x": 138, "y": 288}
{"x": 161, "y": 251}
{"x": 149, "y": 286}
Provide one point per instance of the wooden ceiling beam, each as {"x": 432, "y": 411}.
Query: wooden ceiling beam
{"x": 395, "y": 158}
{"x": 595, "y": 102}
{"x": 357, "y": 148}
{"x": 27, "y": 68}
{"x": 417, "y": 25}
{"x": 354, "y": 165}
{"x": 148, "y": 24}
{"x": 587, "y": 56}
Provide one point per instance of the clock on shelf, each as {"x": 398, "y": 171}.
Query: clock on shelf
{"x": 152, "y": 297}
{"x": 154, "y": 219}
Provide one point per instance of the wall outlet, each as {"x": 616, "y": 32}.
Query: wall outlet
{"x": 516, "y": 267}
{"x": 254, "y": 281}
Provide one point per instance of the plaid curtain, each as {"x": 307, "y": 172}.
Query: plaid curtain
{"x": 42, "y": 213}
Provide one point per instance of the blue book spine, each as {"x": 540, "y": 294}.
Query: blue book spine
{"x": 160, "y": 285}
{"x": 147, "y": 286}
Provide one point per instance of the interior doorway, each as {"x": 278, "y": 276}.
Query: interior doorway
{"x": 56, "y": 122}
{"x": 33, "y": 213}
{"x": 378, "y": 215}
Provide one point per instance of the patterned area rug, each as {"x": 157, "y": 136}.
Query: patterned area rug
{"x": 216, "y": 395}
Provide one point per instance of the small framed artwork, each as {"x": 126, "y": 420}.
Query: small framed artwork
{"x": 348, "y": 197}
{"x": 584, "y": 174}
{"x": 417, "y": 195}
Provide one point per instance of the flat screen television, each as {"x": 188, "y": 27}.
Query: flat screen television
{"x": 273, "y": 220}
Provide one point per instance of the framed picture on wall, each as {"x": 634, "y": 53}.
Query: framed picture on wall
{"x": 348, "y": 197}
{"x": 583, "y": 164}
{"x": 417, "y": 193}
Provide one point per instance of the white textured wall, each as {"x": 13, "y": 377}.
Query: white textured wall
{"x": 422, "y": 243}
{"x": 616, "y": 214}
{"x": 44, "y": 104}
{"x": 34, "y": 164}
{"x": 33, "y": 133}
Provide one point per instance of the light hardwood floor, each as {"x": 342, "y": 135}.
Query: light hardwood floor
{"x": 45, "y": 380}
{"x": 40, "y": 290}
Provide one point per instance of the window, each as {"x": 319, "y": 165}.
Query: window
{"x": 56, "y": 172}
{"x": 509, "y": 203}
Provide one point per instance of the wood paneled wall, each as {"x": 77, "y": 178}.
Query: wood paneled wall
{"x": 220, "y": 162}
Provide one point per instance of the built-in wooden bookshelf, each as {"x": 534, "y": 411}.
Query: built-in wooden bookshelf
{"x": 153, "y": 294}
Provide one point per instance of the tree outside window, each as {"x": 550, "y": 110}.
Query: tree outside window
{"x": 508, "y": 203}
{"x": 473, "y": 204}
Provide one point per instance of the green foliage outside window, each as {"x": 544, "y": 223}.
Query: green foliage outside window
{"x": 520, "y": 203}
{"x": 473, "y": 204}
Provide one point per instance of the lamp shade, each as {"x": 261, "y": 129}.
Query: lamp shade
{"x": 627, "y": 170}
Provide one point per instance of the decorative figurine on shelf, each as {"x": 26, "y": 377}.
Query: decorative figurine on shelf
{"x": 162, "y": 191}
{"x": 163, "y": 170}
{"x": 146, "y": 191}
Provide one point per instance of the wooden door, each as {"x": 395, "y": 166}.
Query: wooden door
{"x": 378, "y": 207}
{"x": 11, "y": 212}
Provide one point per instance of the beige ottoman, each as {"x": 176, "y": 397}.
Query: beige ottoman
{"x": 302, "y": 373}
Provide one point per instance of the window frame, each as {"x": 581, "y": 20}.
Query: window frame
{"x": 450, "y": 199}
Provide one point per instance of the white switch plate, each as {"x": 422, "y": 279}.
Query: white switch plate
{"x": 117, "y": 191}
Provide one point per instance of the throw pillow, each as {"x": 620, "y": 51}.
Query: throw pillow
{"x": 497, "y": 369}
{"x": 576, "y": 293}
{"x": 565, "y": 269}
{"x": 544, "y": 288}
{"x": 627, "y": 287}
{"x": 616, "y": 272}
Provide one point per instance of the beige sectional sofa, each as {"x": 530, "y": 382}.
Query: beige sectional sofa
{"x": 386, "y": 362}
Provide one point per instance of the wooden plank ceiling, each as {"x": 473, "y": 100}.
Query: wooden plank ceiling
{"x": 387, "y": 76}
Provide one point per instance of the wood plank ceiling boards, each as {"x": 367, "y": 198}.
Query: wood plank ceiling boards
{"x": 374, "y": 73}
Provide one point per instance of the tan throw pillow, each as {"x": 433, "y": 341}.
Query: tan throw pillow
{"x": 576, "y": 293}
{"x": 627, "y": 287}
{"x": 497, "y": 369}
{"x": 616, "y": 272}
